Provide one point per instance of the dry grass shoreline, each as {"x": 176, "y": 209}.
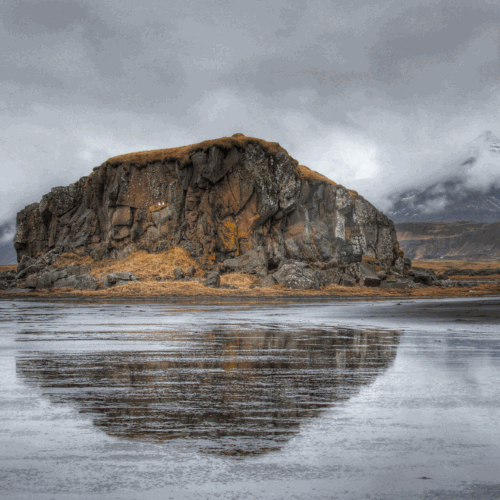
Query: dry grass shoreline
{"x": 150, "y": 267}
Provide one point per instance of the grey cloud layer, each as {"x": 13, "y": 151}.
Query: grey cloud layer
{"x": 375, "y": 95}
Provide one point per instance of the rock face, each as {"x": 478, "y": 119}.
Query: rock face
{"x": 217, "y": 199}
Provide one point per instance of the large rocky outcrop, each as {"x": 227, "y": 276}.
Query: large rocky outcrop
{"x": 218, "y": 199}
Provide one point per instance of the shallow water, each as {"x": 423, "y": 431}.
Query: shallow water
{"x": 317, "y": 400}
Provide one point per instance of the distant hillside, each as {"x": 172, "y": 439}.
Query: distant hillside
{"x": 7, "y": 251}
{"x": 455, "y": 198}
{"x": 450, "y": 240}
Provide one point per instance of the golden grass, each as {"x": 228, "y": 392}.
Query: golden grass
{"x": 7, "y": 268}
{"x": 72, "y": 258}
{"x": 182, "y": 154}
{"x": 312, "y": 175}
{"x": 147, "y": 265}
{"x": 439, "y": 266}
{"x": 151, "y": 289}
{"x": 189, "y": 289}
{"x": 238, "y": 280}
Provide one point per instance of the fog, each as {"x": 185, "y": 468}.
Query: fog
{"x": 379, "y": 97}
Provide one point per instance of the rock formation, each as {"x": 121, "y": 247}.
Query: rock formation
{"x": 220, "y": 200}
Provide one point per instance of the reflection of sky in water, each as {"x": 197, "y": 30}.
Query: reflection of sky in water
{"x": 422, "y": 404}
{"x": 236, "y": 391}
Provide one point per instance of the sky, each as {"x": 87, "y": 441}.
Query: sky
{"x": 375, "y": 95}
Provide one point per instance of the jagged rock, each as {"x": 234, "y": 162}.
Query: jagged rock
{"x": 191, "y": 272}
{"x": 25, "y": 262}
{"x": 179, "y": 274}
{"x": 382, "y": 275}
{"x": 297, "y": 276}
{"x": 219, "y": 199}
{"x": 46, "y": 280}
{"x": 268, "y": 281}
{"x": 69, "y": 282}
{"x": 31, "y": 281}
{"x": 346, "y": 280}
{"x": 397, "y": 284}
{"x": 364, "y": 274}
{"x": 423, "y": 277}
{"x": 212, "y": 280}
{"x": 33, "y": 267}
{"x": 446, "y": 283}
{"x": 4, "y": 284}
{"x": 252, "y": 262}
{"x": 406, "y": 265}
{"x": 51, "y": 257}
{"x": 86, "y": 282}
{"x": 328, "y": 277}
{"x": 8, "y": 275}
{"x": 118, "y": 278}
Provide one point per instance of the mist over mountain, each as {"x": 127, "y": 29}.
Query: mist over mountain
{"x": 468, "y": 190}
{"x": 7, "y": 251}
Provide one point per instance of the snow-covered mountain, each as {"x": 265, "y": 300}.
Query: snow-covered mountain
{"x": 463, "y": 195}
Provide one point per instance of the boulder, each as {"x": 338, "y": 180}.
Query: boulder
{"x": 118, "y": 278}
{"x": 422, "y": 276}
{"x": 346, "y": 280}
{"x": 47, "y": 280}
{"x": 212, "y": 280}
{"x": 297, "y": 276}
{"x": 31, "y": 281}
{"x": 179, "y": 274}
{"x": 252, "y": 262}
{"x": 406, "y": 265}
{"x": 4, "y": 284}
{"x": 8, "y": 275}
{"x": 33, "y": 268}
{"x": 397, "y": 284}
{"x": 268, "y": 281}
{"x": 191, "y": 272}
{"x": 364, "y": 274}
{"x": 86, "y": 282}
{"x": 69, "y": 282}
{"x": 328, "y": 277}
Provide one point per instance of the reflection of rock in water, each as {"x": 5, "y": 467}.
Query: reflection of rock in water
{"x": 237, "y": 392}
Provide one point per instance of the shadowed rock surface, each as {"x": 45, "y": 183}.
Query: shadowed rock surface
{"x": 217, "y": 199}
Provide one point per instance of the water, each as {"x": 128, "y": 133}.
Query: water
{"x": 296, "y": 400}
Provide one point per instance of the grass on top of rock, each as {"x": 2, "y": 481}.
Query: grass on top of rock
{"x": 182, "y": 154}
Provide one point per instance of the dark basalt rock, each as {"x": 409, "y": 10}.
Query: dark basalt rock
{"x": 219, "y": 200}
{"x": 268, "y": 281}
{"x": 86, "y": 282}
{"x": 5, "y": 284}
{"x": 252, "y": 262}
{"x": 297, "y": 276}
{"x": 212, "y": 280}
{"x": 179, "y": 274}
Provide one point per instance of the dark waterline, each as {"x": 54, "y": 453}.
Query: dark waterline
{"x": 327, "y": 400}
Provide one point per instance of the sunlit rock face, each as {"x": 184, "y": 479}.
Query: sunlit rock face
{"x": 217, "y": 199}
{"x": 224, "y": 391}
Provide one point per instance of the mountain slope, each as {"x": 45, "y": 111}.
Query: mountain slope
{"x": 464, "y": 195}
{"x": 7, "y": 250}
{"x": 452, "y": 240}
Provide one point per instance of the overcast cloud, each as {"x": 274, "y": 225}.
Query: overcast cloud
{"x": 374, "y": 95}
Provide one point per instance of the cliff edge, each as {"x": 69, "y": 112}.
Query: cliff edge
{"x": 219, "y": 200}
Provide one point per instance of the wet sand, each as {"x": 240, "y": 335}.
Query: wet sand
{"x": 242, "y": 399}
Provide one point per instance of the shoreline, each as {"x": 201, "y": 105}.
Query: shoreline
{"x": 243, "y": 298}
